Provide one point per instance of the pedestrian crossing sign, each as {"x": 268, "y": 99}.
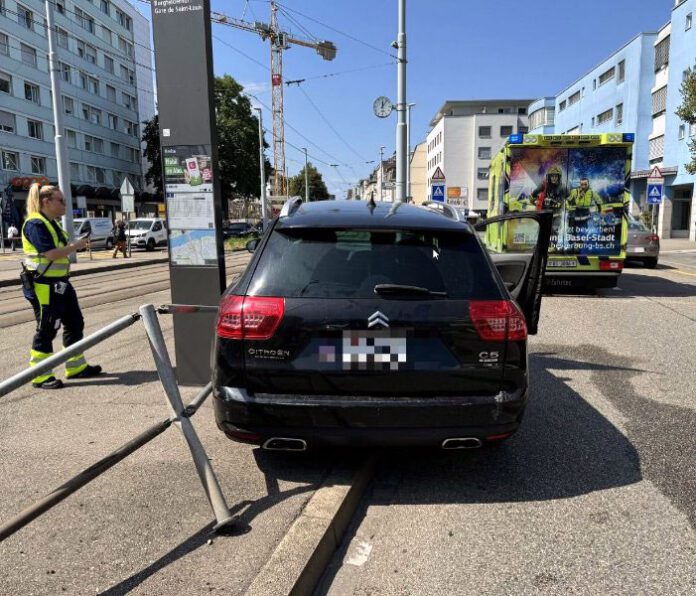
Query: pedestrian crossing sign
{"x": 438, "y": 193}
{"x": 654, "y": 194}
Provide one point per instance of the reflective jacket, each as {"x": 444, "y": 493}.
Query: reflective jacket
{"x": 584, "y": 201}
{"x": 35, "y": 261}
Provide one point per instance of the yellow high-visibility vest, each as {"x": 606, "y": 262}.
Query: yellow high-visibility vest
{"x": 35, "y": 261}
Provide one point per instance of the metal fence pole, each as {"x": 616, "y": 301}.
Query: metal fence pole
{"x": 171, "y": 389}
{"x": 66, "y": 353}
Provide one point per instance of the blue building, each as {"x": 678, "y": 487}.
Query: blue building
{"x": 607, "y": 99}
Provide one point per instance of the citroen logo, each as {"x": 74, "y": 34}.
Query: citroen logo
{"x": 377, "y": 318}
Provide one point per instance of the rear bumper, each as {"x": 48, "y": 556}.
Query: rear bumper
{"x": 358, "y": 421}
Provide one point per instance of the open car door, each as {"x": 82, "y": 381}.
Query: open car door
{"x": 518, "y": 244}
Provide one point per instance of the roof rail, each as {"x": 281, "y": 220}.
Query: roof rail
{"x": 290, "y": 206}
{"x": 443, "y": 208}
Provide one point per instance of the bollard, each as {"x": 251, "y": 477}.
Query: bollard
{"x": 171, "y": 389}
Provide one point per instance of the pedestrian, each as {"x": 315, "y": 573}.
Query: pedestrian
{"x": 46, "y": 285}
{"x": 120, "y": 239}
{"x": 12, "y": 235}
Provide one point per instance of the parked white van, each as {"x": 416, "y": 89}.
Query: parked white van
{"x": 101, "y": 231}
{"x": 147, "y": 232}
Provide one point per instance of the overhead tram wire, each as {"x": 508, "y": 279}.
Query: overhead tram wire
{"x": 328, "y": 123}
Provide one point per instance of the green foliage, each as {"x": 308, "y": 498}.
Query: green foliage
{"x": 687, "y": 113}
{"x": 317, "y": 188}
{"x": 238, "y": 143}
{"x": 152, "y": 153}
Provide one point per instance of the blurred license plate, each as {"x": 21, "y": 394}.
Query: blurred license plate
{"x": 564, "y": 263}
{"x": 638, "y": 249}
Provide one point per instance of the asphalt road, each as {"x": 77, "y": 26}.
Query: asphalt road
{"x": 597, "y": 492}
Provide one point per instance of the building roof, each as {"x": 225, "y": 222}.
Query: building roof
{"x": 452, "y": 104}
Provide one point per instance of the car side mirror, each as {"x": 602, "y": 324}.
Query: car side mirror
{"x": 252, "y": 244}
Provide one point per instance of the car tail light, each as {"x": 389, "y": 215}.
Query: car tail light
{"x": 498, "y": 320}
{"x": 653, "y": 238}
{"x": 610, "y": 265}
{"x": 250, "y": 317}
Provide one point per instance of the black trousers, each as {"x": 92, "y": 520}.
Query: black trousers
{"x": 53, "y": 309}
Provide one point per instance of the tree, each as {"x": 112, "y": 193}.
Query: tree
{"x": 687, "y": 113}
{"x": 153, "y": 153}
{"x": 317, "y": 188}
{"x": 238, "y": 143}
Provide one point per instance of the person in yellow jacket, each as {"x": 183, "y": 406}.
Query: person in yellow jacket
{"x": 581, "y": 202}
{"x": 46, "y": 284}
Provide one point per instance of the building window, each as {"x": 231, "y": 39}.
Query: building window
{"x": 91, "y": 174}
{"x": 62, "y": 38}
{"x": 108, "y": 64}
{"x": 482, "y": 173}
{"x": 68, "y": 105}
{"x": 130, "y": 128}
{"x": 605, "y": 116}
{"x": 682, "y": 131}
{"x": 75, "y": 171}
{"x": 607, "y": 76}
{"x": 100, "y": 175}
{"x": 662, "y": 54}
{"x": 125, "y": 47}
{"x": 25, "y": 17}
{"x": 72, "y": 138}
{"x": 592, "y": 122}
{"x": 4, "y": 44}
{"x": 92, "y": 114}
{"x": 127, "y": 101}
{"x": 622, "y": 72}
{"x": 659, "y": 101}
{"x": 7, "y": 122}
{"x": 89, "y": 143}
{"x": 90, "y": 54}
{"x": 10, "y": 161}
{"x": 107, "y": 35}
{"x": 505, "y": 131}
{"x": 28, "y": 55}
{"x": 5, "y": 83}
{"x": 60, "y": 7}
{"x": 115, "y": 150}
{"x": 575, "y": 98}
{"x": 484, "y": 132}
{"x": 482, "y": 194}
{"x": 104, "y": 5}
{"x": 38, "y": 165}
{"x": 84, "y": 20}
{"x": 65, "y": 72}
{"x": 656, "y": 148}
{"x": 619, "y": 114}
{"x": 98, "y": 145}
{"x": 523, "y": 129}
{"x": 522, "y": 111}
{"x": 32, "y": 93}
{"x": 113, "y": 122}
{"x": 93, "y": 86}
{"x": 594, "y": 84}
{"x": 35, "y": 129}
{"x": 111, "y": 93}
{"x": 562, "y": 106}
{"x": 484, "y": 152}
{"x": 689, "y": 21}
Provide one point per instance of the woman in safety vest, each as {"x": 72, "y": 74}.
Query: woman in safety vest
{"x": 46, "y": 286}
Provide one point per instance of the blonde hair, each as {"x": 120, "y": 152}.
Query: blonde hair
{"x": 36, "y": 194}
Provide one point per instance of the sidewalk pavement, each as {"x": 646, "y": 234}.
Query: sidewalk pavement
{"x": 674, "y": 244}
{"x": 101, "y": 261}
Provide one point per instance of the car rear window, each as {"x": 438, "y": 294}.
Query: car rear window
{"x": 349, "y": 263}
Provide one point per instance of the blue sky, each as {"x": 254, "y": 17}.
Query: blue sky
{"x": 457, "y": 49}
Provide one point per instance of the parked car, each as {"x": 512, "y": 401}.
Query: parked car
{"x": 147, "y": 232}
{"x": 643, "y": 245}
{"x": 363, "y": 323}
{"x": 100, "y": 229}
{"x": 238, "y": 229}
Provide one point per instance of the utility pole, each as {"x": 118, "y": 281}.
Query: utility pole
{"x": 306, "y": 177}
{"x": 381, "y": 173}
{"x": 408, "y": 154}
{"x": 61, "y": 147}
{"x": 401, "y": 106}
{"x": 263, "y": 172}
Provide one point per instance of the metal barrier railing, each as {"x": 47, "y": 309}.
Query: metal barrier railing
{"x": 180, "y": 416}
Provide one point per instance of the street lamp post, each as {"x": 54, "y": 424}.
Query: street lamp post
{"x": 263, "y": 172}
{"x": 306, "y": 177}
{"x": 408, "y": 154}
{"x": 401, "y": 106}
{"x": 381, "y": 173}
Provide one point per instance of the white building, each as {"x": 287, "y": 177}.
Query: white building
{"x": 106, "y": 75}
{"x": 464, "y": 136}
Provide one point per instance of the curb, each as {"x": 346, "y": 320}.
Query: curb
{"x": 12, "y": 281}
{"x": 297, "y": 564}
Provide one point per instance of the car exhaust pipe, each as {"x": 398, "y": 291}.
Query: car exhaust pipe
{"x": 284, "y": 444}
{"x": 462, "y": 443}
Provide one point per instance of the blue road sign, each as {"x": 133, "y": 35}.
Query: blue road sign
{"x": 438, "y": 193}
{"x": 654, "y": 194}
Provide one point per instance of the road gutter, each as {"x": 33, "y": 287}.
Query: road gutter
{"x": 299, "y": 561}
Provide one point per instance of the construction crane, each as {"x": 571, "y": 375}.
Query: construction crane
{"x": 280, "y": 40}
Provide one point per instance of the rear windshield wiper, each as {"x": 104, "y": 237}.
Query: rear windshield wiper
{"x": 400, "y": 290}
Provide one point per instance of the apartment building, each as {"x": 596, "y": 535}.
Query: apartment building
{"x": 463, "y": 138}
{"x": 105, "y": 60}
